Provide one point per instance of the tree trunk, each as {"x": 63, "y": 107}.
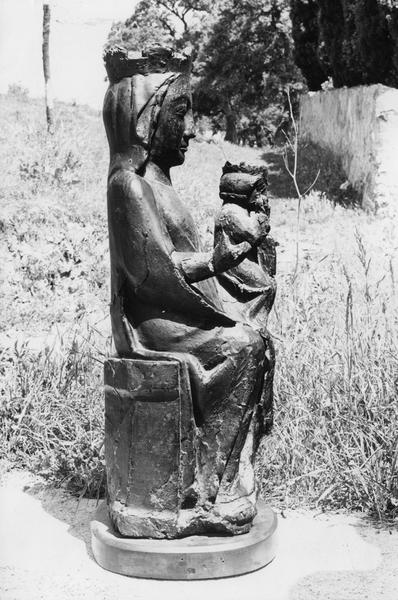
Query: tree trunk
{"x": 46, "y": 67}
{"x": 231, "y": 133}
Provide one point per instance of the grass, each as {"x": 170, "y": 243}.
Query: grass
{"x": 51, "y": 415}
{"x": 334, "y": 443}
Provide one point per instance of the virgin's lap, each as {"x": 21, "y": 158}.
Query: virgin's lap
{"x": 211, "y": 346}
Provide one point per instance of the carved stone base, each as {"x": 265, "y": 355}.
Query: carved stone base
{"x": 153, "y": 461}
{"x": 194, "y": 557}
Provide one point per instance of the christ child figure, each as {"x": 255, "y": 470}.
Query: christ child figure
{"x": 244, "y": 217}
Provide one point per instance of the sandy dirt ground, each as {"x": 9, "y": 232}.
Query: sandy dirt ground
{"x": 45, "y": 554}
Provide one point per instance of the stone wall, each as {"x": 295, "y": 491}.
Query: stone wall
{"x": 360, "y": 125}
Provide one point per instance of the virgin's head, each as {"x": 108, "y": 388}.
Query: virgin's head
{"x": 147, "y": 107}
{"x": 174, "y": 127}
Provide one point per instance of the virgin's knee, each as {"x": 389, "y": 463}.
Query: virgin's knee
{"x": 249, "y": 340}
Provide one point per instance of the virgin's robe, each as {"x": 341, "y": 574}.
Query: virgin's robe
{"x": 156, "y": 312}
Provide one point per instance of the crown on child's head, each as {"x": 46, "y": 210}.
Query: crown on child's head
{"x": 238, "y": 182}
{"x": 120, "y": 63}
{"x": 245, "y": 168}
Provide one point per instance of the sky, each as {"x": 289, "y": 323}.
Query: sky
{"x": 79, "y": 30}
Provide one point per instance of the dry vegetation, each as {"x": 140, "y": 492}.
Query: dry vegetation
{"x": 335, "y": 440}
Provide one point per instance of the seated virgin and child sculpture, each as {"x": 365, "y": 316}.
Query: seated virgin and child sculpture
{"x": 189, "y": 393}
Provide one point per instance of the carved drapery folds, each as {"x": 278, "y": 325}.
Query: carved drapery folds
{"x": 189, "y": 393}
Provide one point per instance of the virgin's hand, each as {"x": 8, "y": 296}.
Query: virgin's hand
{"x": 227, "y": 255}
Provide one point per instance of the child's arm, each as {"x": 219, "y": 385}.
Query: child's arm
{"x": 241, "y": 226}
{"x": 198, "y": 266}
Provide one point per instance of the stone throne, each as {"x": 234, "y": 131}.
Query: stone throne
{"x": 150, "y": 446}
{"x": 188, "y": 395}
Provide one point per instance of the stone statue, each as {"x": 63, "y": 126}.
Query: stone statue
{"x": 190, "y": 392}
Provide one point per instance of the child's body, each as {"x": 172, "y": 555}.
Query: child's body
{"x": 244, "y": 216}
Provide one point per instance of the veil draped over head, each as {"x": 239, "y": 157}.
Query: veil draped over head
{"x": 131, "y": 111}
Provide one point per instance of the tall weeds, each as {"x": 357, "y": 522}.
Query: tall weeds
{"x": 51, "y": 418}
{"x": 335, "y": 439}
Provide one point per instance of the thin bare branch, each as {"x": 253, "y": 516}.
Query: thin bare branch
{"x": 288, "y": 139}
{"x": 312, "y": 184}
{"x": 287, "y": 167}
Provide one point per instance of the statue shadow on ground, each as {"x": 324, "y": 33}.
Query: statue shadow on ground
{"x": 317, "y": 553}
{"x": 75, "y": 512}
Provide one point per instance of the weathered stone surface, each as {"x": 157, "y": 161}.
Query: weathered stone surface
{"x": 142, "y": 433}
{"x": 245, "y": 216}
{"x": 142, "y": 444}
{"x": 148, "y": 462}
{"x": 191, "y": 392}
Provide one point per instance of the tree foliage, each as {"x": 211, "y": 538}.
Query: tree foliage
{"x": 375, "y": 43}
{"x": 174, "y": 23}
{"x": 147, "y": 26}
{"x": 392, "y": 21}
{"x": 243, "y": 55}
{"x": 353, "y": 41}
{"x": 246, "y": 64}
{"x": 306, "y": 34}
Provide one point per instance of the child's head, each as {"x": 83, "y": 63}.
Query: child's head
{"x": 244, "y": 184}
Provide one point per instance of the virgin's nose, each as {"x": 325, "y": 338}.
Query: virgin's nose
{"x": 189, "y": 129}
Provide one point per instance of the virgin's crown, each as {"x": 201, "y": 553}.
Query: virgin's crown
{"x": 120, "y": 62}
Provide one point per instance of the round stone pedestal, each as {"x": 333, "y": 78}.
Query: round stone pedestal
{"x": 194, "y": 557}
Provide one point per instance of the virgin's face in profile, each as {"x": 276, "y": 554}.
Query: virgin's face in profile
{"x": 175, "y": 125}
